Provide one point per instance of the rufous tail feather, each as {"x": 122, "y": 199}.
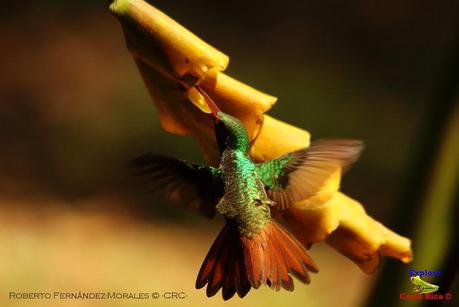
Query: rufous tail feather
{"x": 236, "y": 263}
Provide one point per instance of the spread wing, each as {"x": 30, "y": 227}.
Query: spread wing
{"x": 300, "y": 174}
{"x": 179, "y": 181}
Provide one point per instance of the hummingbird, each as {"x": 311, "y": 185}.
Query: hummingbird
{"x": 252, "y": 249}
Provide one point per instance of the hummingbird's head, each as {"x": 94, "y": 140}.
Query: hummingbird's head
{"x": 229, "y": 130}
{"x": 231, "y": 133}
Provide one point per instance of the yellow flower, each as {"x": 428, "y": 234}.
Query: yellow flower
{"x": 344, "y": 224}
{"x": 173, "y": 61}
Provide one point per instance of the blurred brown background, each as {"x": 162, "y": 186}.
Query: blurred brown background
{"x": 73, "y": 110}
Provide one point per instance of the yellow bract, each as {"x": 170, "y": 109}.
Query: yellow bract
{"x": 173, "y": 61}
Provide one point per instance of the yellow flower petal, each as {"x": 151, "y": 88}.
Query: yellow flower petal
{"x": 238, "y": 99}
{"x": 277, "y": 138}
{"x": 345, "y": 225}
{"x": 198, "y": 100}
{"x": 164, "y": 44}
{"x": 363, "y": 240}
{"x": 177, "y": 115}
{"x": 167, "y": 96}
{"x": 313, "y": 222}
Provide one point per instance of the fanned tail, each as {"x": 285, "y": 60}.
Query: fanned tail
{"x": 237, "y": 263}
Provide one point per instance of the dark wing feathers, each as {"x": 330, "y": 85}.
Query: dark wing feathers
{"x": 181, "y": 181}
{"x": 300, "y": 174}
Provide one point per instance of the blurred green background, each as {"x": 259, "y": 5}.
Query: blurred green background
{"x": 73, "y": 110}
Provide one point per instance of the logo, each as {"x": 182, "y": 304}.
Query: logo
{"x": 421, "y": 286}
{"x": 424, "y": 273}
{"x": 423, "y": 290}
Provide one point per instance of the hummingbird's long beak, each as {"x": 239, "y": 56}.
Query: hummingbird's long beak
{"x": 212, "y": 106}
